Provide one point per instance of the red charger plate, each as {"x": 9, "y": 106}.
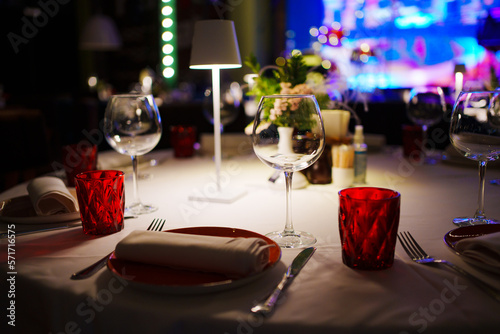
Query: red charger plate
{"x": 183, "y": 281}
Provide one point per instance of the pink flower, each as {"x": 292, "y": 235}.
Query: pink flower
{"x": 286, "y": 87}
{"x": 280, "y": 104}
{"x": 302, "y": 89}
{"x": 294, "y": 103}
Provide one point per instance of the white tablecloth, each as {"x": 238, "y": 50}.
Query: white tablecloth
{"x": 327, "y": 296}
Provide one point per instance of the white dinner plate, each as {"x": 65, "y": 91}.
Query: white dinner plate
{"x": 454, "y": 236}
{"x": 177, "y": 281}
{"x": 19, "y": 210}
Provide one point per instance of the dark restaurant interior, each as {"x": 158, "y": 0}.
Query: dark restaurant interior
{"x": 379, "y": 49}
{"x": 148, "y": 148}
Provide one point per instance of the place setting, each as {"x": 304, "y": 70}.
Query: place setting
{"x": 474, "y": 124}
{"x": 49, "y": 205}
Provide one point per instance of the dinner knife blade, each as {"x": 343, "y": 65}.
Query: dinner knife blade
{"x": 267, "y": 306}
{"x": 300, "y": 261}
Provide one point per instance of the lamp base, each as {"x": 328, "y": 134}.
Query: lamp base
{"x": 226, "y": 196}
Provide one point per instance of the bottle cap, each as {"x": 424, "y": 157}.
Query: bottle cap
{"x": 358, "y": 135}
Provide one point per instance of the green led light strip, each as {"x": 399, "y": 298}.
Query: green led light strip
{"x": 168, "y": 40}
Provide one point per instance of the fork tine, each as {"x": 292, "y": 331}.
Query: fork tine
{"x": 161, "y": 225}
{"x": 403, "y": 242}
{"x": 411, "y": 244}
{"x": 415, "y": 243}
{"x": 156, "y": 225}
{"x": 151, "y": 226}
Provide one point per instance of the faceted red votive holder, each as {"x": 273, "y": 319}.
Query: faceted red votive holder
{"x": 368, "y": 225}
{"x": 413, "y": 141}
{"x": 78, "y": 158}
{"x": 183, "y": 138}
{"x": 101, "y": 197}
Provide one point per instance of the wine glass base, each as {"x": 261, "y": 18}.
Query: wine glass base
{"x": 140, "y": 209}
{"x": 470, "y": 221}
{"x": 296, "y": 239}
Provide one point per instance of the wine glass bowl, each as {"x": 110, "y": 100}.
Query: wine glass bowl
{"x": 288, "y": 135}
{"x": 426, "y": 107}
{"x": 475, "y": 133}
{"x": 230, "y": 104}
{"x": 132, "y": 126}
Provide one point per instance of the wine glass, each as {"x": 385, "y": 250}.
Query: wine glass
{"x": 288, "y": 135}
{"x": 475, "y": 133}
{"x": 132, "y": 126}
{"x": 230, "y": 104}
{"x": 426, "y": 107}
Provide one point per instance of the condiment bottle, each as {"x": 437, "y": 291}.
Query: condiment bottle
{"x": 360, "y": 157}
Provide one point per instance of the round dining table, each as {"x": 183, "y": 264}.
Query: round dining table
{"x": 326, "y": 297}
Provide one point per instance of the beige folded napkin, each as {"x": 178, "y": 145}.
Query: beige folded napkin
{"x": 234, "y": 257}
{"x": 50, "y": 196}
{"x": 485, "y": 249}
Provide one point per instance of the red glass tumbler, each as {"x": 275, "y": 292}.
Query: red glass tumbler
{"x": 183, "y": 138}
{"x": 413, "y": 142}
{"x": 368, "y": 224}
{"x": 78, "y": 158}
{"x": 101, "y": 197}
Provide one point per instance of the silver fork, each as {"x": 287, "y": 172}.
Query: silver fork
{"x": 156, "y": 225}
{"x": 418, "y": 255}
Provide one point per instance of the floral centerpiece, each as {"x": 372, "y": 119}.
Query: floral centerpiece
{"x": 293, "y": 77}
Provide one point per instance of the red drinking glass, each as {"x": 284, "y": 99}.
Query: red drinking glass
{"x": 183, "y": 138}
{"x": 101, "y": 197}
{"x": 78, "y": 158}
{"x": 368, "y": 224}
{"x": 413, "y": 142}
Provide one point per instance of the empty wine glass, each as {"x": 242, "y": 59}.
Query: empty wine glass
{"x": 132, "y": 126}
{"x": 426, "y": 107}
{"x": 288, "y": 135}
{"x": 230, "y": 104}
{"x": 475, "y": 133}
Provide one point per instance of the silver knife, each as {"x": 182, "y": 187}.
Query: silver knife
{"x": 49, "y": 229}
{"x": 92, "y": 269}
{"x": 267, "y": 306}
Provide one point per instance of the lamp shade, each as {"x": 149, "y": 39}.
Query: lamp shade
{"x": 214, "y": 45}
{"x": 100, "y": 34}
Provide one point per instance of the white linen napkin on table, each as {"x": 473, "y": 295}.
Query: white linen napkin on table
{"x": 234, "y": 257}
{"x": 485, "y": 249}
{"x": 50, "y": 196}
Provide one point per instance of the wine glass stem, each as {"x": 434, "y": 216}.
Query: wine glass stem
{"x": 424, "y": 139}
{"x": 480, "y": 200}
{"x": 135, "y": 179}
{"x": 288, "y": 183}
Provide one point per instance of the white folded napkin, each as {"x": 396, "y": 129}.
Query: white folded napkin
{"x": 50, "y": 196}
{"x": 234, "y": 257}
{"x": 485, "y": 249}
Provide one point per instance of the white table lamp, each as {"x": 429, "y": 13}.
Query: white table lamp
{"x": 215, "y": 47}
